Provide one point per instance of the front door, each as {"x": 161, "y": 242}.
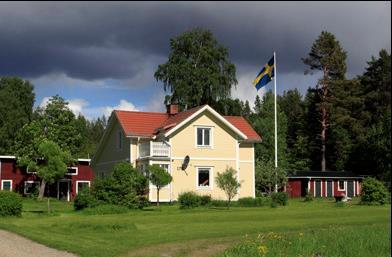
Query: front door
{"x": 329, "y": 188}
{"x": 350, "y": 188}
{"x": 63, "y": 190}
{"x": 318, "y": 188}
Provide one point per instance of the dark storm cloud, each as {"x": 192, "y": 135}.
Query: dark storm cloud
{"x": 110, "y": 40}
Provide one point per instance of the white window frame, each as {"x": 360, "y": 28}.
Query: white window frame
{"x": 73, "y": 174}
{"x": 119, "y": 140}
{"x": 30, "y": 182}
{"x": 211, "y": 145}
{"x": 30, "y": 172}
{"x": 211, "y": 178}
{"x": 81, "y": 181}
{"x": 344, "y": 184}
{"x": 6, "y": 180}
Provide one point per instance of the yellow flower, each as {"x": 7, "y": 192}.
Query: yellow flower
{"x": 290, "y": 243}
{"x": 301, "y": 234}
{"x": 263, "y": 249}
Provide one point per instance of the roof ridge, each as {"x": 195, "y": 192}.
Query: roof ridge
{"x": 139, "y": 112}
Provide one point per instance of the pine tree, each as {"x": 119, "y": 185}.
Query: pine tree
{"x": 326, "y": 55}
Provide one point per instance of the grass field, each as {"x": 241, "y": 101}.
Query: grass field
{"x": 209, "y": 231}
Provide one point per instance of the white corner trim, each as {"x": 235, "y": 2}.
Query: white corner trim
{"x": 6, "y": 180}
{"x": 254, "y": 172}
{"x": 213, "y": 112}
{"x": 81, "y": 181}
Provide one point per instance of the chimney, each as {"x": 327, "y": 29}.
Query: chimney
{"x": 172, "y": 109}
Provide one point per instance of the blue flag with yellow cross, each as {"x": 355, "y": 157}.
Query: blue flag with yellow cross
{"x": 265, "y": 75}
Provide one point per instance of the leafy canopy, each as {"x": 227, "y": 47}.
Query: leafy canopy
{"x": 228, "y": 183}
{"x": 159, "y": 177}
{"x": 198, "y": 70}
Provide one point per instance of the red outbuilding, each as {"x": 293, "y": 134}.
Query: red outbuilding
{"x": 20, "y": 180}
{"x": 323, "y": 183}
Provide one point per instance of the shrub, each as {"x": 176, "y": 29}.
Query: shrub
{"x": 373, "y": 191}
{"x": 308, "y": 197}
{"x": 280, "y": 198}
{"x": 205, "y": 200}
{"x": 219, "y": 203}
{"x": 133, "y": 201}
{"x": 84, "y": 200}
{"x": 10, "y": 204}
{"x": 253, "y": 202}
{"x": 188, "y": 200}
{"x": 106, "y": 209}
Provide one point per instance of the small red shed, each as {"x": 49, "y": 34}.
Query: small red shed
{"x": 20, "y": 180}
{"x": 323, "y": 183}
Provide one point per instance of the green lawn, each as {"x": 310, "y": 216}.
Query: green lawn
{"x": 153, "y": 230}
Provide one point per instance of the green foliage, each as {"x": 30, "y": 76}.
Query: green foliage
{"x": 188, "y": 200}
{"x": 373, "y": 191}
{"x": 125, "y": 186}
{"x": 362, "y": 241}
{"x": 228, "y": 183}
{"x": 263, "y": 122}
{"x": 267, "y": 175}
{"x": 84, "y": 200}
{"x": 253, "y": 202}
{"x": 308, "y": 196}
{"x": 205, "y": 200}
{"x": 159, "y": 177}
{"x": 198, "y": 70}
{"x": 16, "y": 103}
{"x": 10, "y": 204}
{"x": 280, "y": 198}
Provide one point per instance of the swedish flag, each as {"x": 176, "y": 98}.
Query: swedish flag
{"x": 265, "y": 75}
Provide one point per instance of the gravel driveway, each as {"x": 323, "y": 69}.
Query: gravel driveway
{"x": 12, "y": 245}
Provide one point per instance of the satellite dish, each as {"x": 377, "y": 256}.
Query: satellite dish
{"x": 185, "y": 163}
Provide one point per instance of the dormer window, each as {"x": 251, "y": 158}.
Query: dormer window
{"x": 203, "y": 136}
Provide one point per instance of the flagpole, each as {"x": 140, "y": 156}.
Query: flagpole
{"x": 276, "y": 130}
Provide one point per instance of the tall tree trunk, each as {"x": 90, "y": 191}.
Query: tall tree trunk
{"x": 42, "y": 189}
{"x": 324, "y": 118}
{"x": 158, "y": 197}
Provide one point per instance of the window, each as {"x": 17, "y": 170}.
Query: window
{"x": 6, "y": 185}
{"x": 341, "y": 185}
{"x": 82, "y": 185}
{"x": 72, "y": 171}
{"x": 204, "y": 178}
{"x": 203, "y": 136}
{"x": 31, "y": 187}
{"x": 119, "y": 140}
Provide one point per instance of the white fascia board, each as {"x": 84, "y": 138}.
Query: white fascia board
{"x": 217, "y": 115}
{"x": 84, "y": 160}
{"x": 7, "y": 157}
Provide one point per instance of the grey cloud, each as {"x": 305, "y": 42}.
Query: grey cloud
{"x": 94, "y": 40}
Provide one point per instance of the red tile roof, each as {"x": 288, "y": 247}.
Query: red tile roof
{"x": 140, "y": 123}
{"x": 147, "y": 123}
{"x": 241, "y": 124}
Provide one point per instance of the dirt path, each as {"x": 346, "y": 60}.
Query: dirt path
{"x": 12, "y": 245}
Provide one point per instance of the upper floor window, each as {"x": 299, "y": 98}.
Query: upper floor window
{"x": 341, "y": 185}
{"x": 72, "y": 171}
{"x": 119, "y": 140}
{"x": 203, "y": 136}
{"x": 6, "y": 185}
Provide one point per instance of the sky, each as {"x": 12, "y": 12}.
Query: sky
{"x": 101, "y": 56}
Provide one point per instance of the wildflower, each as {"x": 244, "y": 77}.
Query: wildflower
{"x": 263, "y": 249}
{"x": 301, "y": 234}
{"x": 290, "y": 243}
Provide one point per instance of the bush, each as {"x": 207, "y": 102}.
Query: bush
{"x": 308, "y": 197}
{"x": 188, "y": 200}
{"x": 205, "y": 200}
{"x": 253, "y": 202}
{"x": 106, "y": 209}
{"x": 84, "y": 200}
{"x": 133, "y": 201}
{"x": 10, "y": 204}
{"x": 373, "y": 191}
{"x": 280, "y": 198}
{"x": 221, "y": 203}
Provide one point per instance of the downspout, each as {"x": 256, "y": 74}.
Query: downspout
{"x": 170, "y": 168}
{"x": 238, "y": 165}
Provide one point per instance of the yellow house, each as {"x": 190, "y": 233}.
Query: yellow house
{"x": 193, "y": 146}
